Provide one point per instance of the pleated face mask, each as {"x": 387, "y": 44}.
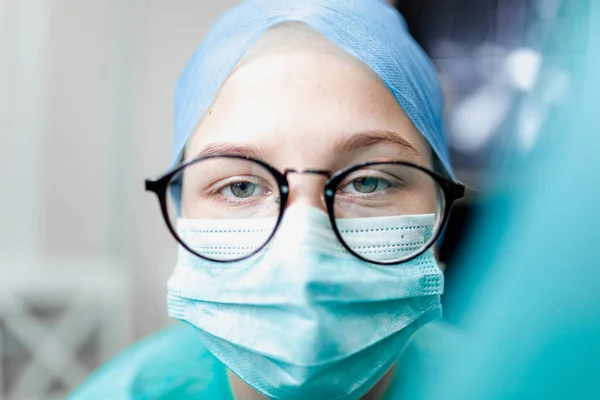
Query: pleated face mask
{"x": 304, "y": 318}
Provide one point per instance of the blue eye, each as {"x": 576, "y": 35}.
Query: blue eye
{"x": 366, "y": 185}
{"x": 241, "y": 190}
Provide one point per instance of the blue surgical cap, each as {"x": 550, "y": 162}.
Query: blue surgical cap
{"x": 369, "y": 30}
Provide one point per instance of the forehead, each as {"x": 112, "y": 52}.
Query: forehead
{"x": 295, "y": 96}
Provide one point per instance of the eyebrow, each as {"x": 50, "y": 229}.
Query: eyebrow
{"x": 219, "y": 149}
{"x": 361, "y": 140}
{"x": 356, "y": 142}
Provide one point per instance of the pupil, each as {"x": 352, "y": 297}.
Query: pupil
{"x": 365, "y": 185}
{"x": 243, "y": 189}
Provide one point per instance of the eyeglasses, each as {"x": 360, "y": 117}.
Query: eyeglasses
{"x": 240, "y": 195}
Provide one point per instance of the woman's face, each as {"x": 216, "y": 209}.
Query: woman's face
{"x": 299, "y": 102}
{"x": 305, "y": 104}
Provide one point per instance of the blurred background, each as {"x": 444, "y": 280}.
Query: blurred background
{"x": 85, "y": 115}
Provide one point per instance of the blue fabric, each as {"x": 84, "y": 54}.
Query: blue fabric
{"x": 173, "y": 365}
{"x": 370, "y": 30}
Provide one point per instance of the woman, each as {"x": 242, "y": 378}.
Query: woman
{"x": 310, "y": 180}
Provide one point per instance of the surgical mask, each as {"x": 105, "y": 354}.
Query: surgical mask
{"x": 304, "y": 318}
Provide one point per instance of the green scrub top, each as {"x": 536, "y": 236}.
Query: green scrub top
{"x": 173, "y": 364}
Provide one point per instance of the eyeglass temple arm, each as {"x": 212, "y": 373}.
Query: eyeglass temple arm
{"x": 154, "y": 184}
{"x": 457, "y": 190}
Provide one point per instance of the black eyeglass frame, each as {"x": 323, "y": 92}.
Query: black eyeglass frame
{"x": 452, "y": 191}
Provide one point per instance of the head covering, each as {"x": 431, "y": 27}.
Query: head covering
{"x": 370, "y": 30}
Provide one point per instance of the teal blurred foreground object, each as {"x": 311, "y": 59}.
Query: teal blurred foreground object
{"x": 535, "y": 322}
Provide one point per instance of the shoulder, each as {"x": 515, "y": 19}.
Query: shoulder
{"x": 424, "y": 358}
{"x": 170, "y": 364}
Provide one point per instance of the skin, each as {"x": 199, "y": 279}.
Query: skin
{"x": 297, "y": 101}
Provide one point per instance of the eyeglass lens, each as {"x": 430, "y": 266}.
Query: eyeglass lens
{"x": 388, "y": 212}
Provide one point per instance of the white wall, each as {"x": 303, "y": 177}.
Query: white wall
{"x": 85, "y": 115}
{"x": 167, "y": 35}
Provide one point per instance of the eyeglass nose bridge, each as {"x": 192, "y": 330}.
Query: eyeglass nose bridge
{"x": 311, "y": 171}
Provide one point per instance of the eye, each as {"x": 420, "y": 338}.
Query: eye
{"x": 366, "y": 185}
{"x": 242, "y": 190}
